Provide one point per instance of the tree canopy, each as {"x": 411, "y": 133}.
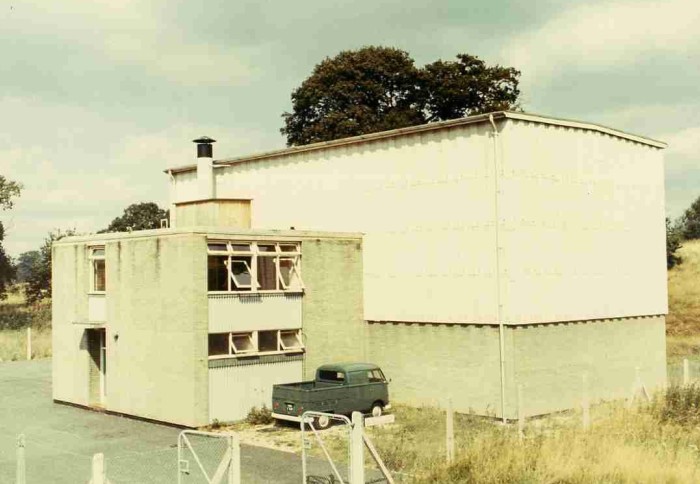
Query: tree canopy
{"x": 25, "y": 264}
{"x": 39, "y": 280}
{"x": 380, "y": 88}
{"x": 138, "y": 216}
{"x": 8, "y": 191}
{"x": 690, "y": 221}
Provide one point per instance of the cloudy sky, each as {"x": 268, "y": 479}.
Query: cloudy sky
{"x": 98, "y": 97}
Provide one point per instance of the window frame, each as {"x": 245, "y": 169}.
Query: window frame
{"x": 235, "y": 352}
{"x": 281, "y": 252}
{"x": 93, "y": 260}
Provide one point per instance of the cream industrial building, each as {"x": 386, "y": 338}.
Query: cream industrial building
{"x": 466, "y": 258}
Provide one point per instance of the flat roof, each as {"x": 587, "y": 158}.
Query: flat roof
{"x": 213, "y": 232}
{"x": 479, "y": 118}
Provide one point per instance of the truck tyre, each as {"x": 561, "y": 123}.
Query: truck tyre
{"x": 322, "y": 422}
{"x": 377, "y": 409}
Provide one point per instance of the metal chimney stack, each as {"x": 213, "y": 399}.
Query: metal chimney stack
{"x": 205, "y": 167}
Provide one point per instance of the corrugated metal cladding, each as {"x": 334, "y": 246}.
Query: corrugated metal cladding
{"x": 581, "y": 231}
{"x": 580, "y": 220}
{"x": 232, "y": 312}
{"x": 234, "y": 390}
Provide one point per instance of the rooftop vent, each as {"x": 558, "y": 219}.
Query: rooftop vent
{"x": 204, "y": 148}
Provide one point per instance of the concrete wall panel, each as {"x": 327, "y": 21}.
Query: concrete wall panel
{"x": 234, "y": 313}
{"x": 550, "y": 361}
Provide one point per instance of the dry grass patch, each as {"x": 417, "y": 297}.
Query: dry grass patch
{"x": 13, "y": 344}
{"x": 684, "y": 292}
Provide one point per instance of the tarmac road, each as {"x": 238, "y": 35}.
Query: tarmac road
{"x": 61, "y": 440}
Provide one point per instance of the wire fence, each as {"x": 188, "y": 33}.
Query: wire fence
{"x": 205, "y": 460}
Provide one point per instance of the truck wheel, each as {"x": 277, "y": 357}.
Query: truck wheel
{"x": 377, "y": 409}
{"x": 322, "y": 422}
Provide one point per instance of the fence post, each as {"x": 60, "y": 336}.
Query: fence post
{"x": 234, "y": 469}
{"x": 29, "y": 343}
{"x": 686, "y": 372}
{"x": 521, "y": 414}
{"x": 21, "y": 466}
{"x": 585, "y": 403}
{"x": 357, "y": 450}
{"x": 98, "y": 469}
{"x": 450, "y": 432}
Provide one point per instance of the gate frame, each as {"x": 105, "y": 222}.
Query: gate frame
{"x": 230, "y": 461}
{"x": 307, "y": 418}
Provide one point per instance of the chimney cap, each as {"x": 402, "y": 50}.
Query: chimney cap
{"x": 204, "y": 140}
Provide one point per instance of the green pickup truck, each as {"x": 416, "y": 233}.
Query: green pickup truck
{"x": 340, "y": 388}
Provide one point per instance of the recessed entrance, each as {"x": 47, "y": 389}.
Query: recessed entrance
{"x": 97, "y": 349}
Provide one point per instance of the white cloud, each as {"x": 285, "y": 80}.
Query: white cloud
{"x": 593, "y": 36}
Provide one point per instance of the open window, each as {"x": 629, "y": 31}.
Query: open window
{"x": 255, "y": 342}
{"x": 243, "y": 343}
{"x": 291, "y": 340}
{"x": 254, "y": 266}
{"x": 98, "y": 277}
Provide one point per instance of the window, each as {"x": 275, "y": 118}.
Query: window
{"x": 243, "y": 343}
{"x": 290, "y": 340}
{"x": 97, "y": 276}
{"x": 218, "y": 344}
{"x": 268, "y": 341}
{"x": 375, "y": 376}
{"x": 334, "y": 376}
{"x": 254, "y": 266}
{"x": 255, "y": 343}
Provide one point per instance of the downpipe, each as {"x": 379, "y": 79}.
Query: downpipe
{"x": 501, "y": 328}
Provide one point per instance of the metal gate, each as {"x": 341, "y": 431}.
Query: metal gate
{"x": 208, "y": 458}
{"x": 310, "y": 423}
{"x": 354, "y": 436}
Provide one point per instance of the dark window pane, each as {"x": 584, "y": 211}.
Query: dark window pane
{"x": 240, "y": 247}
{"x": 218, "y": 344}
{"x": 267, "y": 273}
{"x": 336, "y": 376}
{"x": 217, "y": 247}
{"x": 267, "y": 341}
{"x": 266, "y": 248}
{"x": 217, "y": 273}
{"x": 99, "y": 275}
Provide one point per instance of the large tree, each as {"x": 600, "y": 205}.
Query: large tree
{"x": 39, "y": 280}
{"x": 138, "y": 216}
{"x": 25, "y": 264}
{"x": 8, "y": 191}
{"x": 690, "y": 221}
{"x": 379, "y": 88}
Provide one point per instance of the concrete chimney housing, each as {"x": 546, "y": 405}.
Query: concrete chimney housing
{"x": 205, "y": 167}
{"x": 206, "y": 210}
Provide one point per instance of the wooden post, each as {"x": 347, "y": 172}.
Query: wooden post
{"x": 21, "y": 466}
{"x": 98, "y": 469}
{"x": 521, "y": 414}
{"x": 29, "y": 343}
{"x": 357, "y": 450}
{"x": 449, "y": 432}
{"x": 585, "y": 403}
{"x": 234, "y": 475}
{"x": 686, "y": 372}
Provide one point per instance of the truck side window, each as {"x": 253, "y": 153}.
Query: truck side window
{"x": 334, "y": 376}
{"x": 375, "y": 376}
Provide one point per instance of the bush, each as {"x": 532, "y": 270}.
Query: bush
{"x": 259, "y": 416}
{"x": 673, "y": 243}
{"x": 680, "y": 405}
